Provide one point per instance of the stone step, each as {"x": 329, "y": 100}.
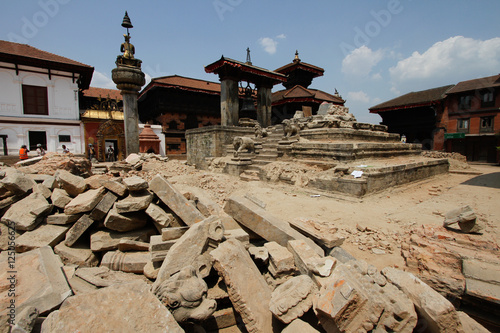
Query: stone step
{"x": 249, "y": 177}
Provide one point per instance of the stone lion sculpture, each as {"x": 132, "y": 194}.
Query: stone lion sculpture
{"x": 185, "y": 296}
{"x": 241, "y": 143}
{"x": 260, "y": 132}
{"x": 290, "y": 128}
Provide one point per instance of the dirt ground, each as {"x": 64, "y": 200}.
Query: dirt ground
{"x": 373, "y": 225}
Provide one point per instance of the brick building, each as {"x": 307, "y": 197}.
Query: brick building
{"x": 459, "y": 118}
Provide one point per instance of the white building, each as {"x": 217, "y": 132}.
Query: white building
{"x": 39, "y": 99}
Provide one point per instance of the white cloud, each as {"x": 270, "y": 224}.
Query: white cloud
{"x": 281, "y": 36}
{"x": 100, "y": 80}
{"x": 358, "y": 96}
{"x": 268, "y": 44}
{"x": 361, "y": 61}
{"x": 455, "y": 59}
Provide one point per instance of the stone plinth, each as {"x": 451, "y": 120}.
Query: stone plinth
{"x": 209, "y": 141}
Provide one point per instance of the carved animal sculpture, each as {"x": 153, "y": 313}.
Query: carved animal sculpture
{"x": 185, "y": 295}
{"x": 241, "y": 143}
{"x": 260, "y": 132}
{"x": 290, "y": 128}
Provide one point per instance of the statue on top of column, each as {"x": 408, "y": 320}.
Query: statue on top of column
{"x": 127, "y": 48}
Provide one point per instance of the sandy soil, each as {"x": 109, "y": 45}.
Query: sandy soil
{"x": 374, "y": 225}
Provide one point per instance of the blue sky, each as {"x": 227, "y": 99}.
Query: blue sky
{"x": 371, "y": 50}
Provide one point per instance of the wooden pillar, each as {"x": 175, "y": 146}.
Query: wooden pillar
{"x": 229, "y": 104}
{"x": 264, "y": 106}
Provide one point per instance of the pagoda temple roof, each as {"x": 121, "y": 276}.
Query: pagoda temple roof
{"x": 296, "y": 65}
{"x": 301, "y": 94}
{"x": 244, "y": 71}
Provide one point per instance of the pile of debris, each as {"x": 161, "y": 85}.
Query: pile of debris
{"x": 108, "y": 253}
{"x": 457, "y": 160}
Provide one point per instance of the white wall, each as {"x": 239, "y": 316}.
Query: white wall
{"x": 63, "y": 117}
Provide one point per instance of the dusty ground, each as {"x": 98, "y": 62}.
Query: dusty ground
{"x": 383, "y": 217}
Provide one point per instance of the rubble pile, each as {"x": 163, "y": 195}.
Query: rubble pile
{"x": 120, "y": 252}
{"x": 457, "y": 160}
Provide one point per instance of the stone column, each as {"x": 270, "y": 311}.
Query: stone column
{"x": 129, "y": 79}
{"x": 264, "y": 106}
{"x": 229, "y": 104}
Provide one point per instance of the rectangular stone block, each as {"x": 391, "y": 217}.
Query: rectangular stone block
{"x": 78, "y": 229}
{"x": 280, "y": 259}
{"x": 84, "y": 202}
{"x": 44, "y": 235}
{"x": 173, "y": 233}
{"x": 62, "y": 219}
{"x": 116, "y": 187}
{"x": 126, "y": 245}
{"x": 264, "y": 224}
{"x": 156, "y": 243}
{"x": 160, "y": 218}
{"x": 130, "y": 262}
{"x": 60, "y": 198}
{"x": 102, "y": 208}
{"x": 175, "y": 201}
{"x": 79, "y": 255}
{"x": 247, "y": 289}
{"x": 238, "y": 234}
{"x": 107, "y": 240}
{"x": 439, "y": 313}
{"x": 316, "y": 231}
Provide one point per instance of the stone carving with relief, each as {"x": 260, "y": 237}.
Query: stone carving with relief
{"x": 290, "y": 128}
{"x": 242, "y": 143}
{"x": 185, "y": 295}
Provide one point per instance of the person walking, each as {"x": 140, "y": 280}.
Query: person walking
{"x": 39, "y": 150}
{"x": 23, "y": 152}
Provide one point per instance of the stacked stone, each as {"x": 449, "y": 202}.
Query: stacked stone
{"x": 161, "y": 257}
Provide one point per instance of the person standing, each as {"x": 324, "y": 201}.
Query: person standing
{"x": 91, "y": 152}
{"x": 23, "y": 152}
{"x": 39, "y": 150}
{"x": 110, "y": 154}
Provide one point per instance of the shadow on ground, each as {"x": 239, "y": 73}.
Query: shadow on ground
{"x": 488, "y": 180}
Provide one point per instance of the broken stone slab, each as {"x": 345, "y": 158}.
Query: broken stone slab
{"x": 105, "y": 277}
{"x": 116, "y": 186}
{"x": 299, "y": 325}
{"x": 72, "y": 184}
{"x": 438, "y": 312}
{"x": 124, "y": 222}
{"x": 134, "y": 202}
{"x": 247, "y": 289}
{"x": 201, "y": 237}
{"x": 50, "y": 182}
{"x": 316, "y": 231}
{"x": 308, "y": 262}
{"x": 126, "y": 245}
{"x": 39, "y": 280}
{"x": 469, "y": 325}
{"x": 44, "y": 235}
{"x": 96, "y": 181}
{"x": 293, "y": 298}
{"x": 341, "y": 255}
{"x": 17, "y": 182}
{"x": 175, "y": 201}
{"x": 220, "y": 319}
{"x": 135, "y": 183}
{"x": 142, "y": 310}
{"x": 25, "y": 320}
{"x": 264, "y": 224}
{"x": 173, "y": 233}
{"x": 160, "y": 218}
{"x": 259, "y": 253}
{"x": 151, "y": 271}
{"x": 461, "y": 214}
{"x": 156, "y": 243}
{"x": 6, "y": 202}
{"x": 43, "y": 190}
{"x": 77, "y": 230}
{"x": 84, "y": 202}
{"x": 485, "y": 291}
{"x": 281, "y": 260}
{"x": 78, "y": 254}
{"x": 102, "y": 208}
{"x": 238, "y": 234}
{"x": 359, "y": 299}
{"x": 60, "y": 198}
{"x": 107, "y": 240}
{"x": 201, "y": 198}
{"x": 62, "y": 219}
{"x": 7, "y": 235}
{"x": 133, "y": 158}
{"x": 488, "y": 272}
{"x": 27, "y": 213}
